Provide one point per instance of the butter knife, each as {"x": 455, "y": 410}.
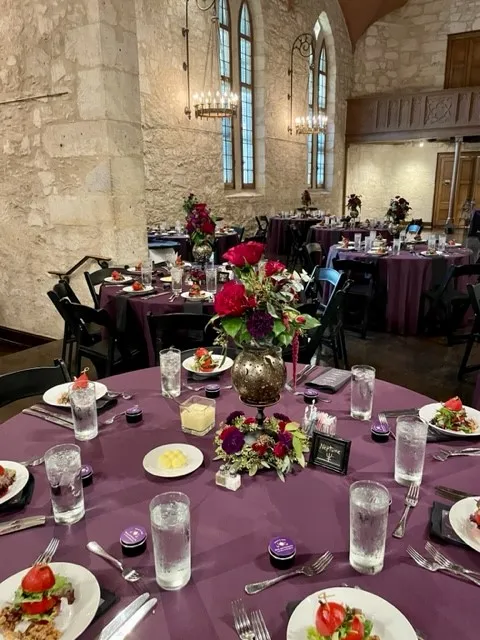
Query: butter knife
{"x": 23, "y": 523}
{"x": 40, "y": 408}
{"x": 114, "y": 625}
{"x": 137, "y": 617}
{"x": 453, "y": 494}
{"x": 301, "y": 376}
{"x": 47, "y": 418}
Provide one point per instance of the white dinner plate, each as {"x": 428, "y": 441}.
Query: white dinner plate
{"x": 166, "y": 279}
{"x": 342, "y": 248}
{"x": 430, "y": 255}
{"x": 74, "y": 618}
{"x": 21, "y": 479}
{"x": 113, "y": 281}
{"x": 428, "y": 412}
{"x": 388, "y": 622}
{"x": 193, "y": 455}
{"x": 133, "y": 270}
{"x": 52, "y": 395}
{"x": 130, "y": 289}
{"x": 373, "y": 252}
{"x": 189, "y": 363}
{"x": 459, "y": 516}
{"x": 452, "y": 246}
{"x": 204, "y": 295}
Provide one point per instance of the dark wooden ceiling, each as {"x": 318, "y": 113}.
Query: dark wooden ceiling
{"x": 360, "y": 14}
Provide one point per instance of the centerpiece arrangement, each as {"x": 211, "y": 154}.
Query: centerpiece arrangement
{"x": 306, "y": 199}
{"x": 354, "y": 205}
{"x": 258, "y": 312}
{"x": 397, "y": 213}
{"x": 200, "y": 225}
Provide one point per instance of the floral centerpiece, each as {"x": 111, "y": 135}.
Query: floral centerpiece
{"x": 354, "y": 204}
{"x": 306, "y": 198}
{"x": 200, "y": 226}
{"x": 247, "y": 446}
{"x": 398, "y": 210}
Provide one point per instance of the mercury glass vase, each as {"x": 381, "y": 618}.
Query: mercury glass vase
{"x": 259, "y": 375}
{"x": 202, "y": 252}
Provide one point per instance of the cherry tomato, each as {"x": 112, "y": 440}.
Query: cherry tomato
{"x": 2, "y": 470}
{"x": 201, "y": 351}
{"x": 476, "y": 518}
{"x": 330, "y": 616}
{"x": 42, "y": 606}
{"x": 137, "y": 286}
{"x": 454, "y": 404}
{"x": 39, "y": 578}
{"x": 356, "y": 631}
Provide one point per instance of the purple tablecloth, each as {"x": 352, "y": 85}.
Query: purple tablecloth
{"x": 327, "y": 237}
{"x": 278, "y": 239}
{"x": 230, "y": 531}
{"x": 223, "y": 243}
{"x": 405, "y": 277}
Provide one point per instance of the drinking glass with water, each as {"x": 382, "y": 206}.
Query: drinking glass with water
{"x": 83, "y": 402}
{"x": 64, "y": 472}
{"x": 369, "y": 503}
{"x": 363, "y": 386}
{"x": 146, "y": 274}
{"x": 170, "y": 371}
{"x": 357, "y": 241}
{"x": 176, "y": 273}
{"x": 170, "y": 521}
{"x": 211, "y": 278}
{"x": 410, "y": 444}
{"x": 397, "y": 244}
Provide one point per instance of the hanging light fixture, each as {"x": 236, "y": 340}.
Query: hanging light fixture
{"x": 211, "y": 102}
{"x": 311, "y": 124}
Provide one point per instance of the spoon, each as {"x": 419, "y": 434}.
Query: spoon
{"x": 33, "y": 462}
{"x": 300, "y": 393}
{"x": 125, "y": 396}
{"x": 130, "y": 575}
{"x": 113, "y": 418}
{"x": 228, "y": 386}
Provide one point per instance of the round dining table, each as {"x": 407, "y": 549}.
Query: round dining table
{"x": 278, "y": 237}
{"x": 406, "y": 277}
{"x": 230, "y": 531}
{"x": 223, "y": 242}
{"x": 328, "y": 236}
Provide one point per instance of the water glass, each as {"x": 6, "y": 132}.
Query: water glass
{"x": 63, "y": 466}
{"x": 373, "y": 235}
{"x": 146, "y": 274}
{"x": 170, "y": 521}
{"x": 369, "y": 503}
{"x": 83, "y": 402}
{"x": 432, "y": 243}
{"x": 368, "y": 244}
{"x": 178, "y": 227}
{"x": 442, "y": 242}
{"x": 363, "y": 386}
{"x": 397, "y": 243}
{"x": 357, "y": 241}
{"x": 176, "y": 274}
{"x": 211, "y": 278}
{"x": 410, "y": 443}
{"x": 170, "y": 371}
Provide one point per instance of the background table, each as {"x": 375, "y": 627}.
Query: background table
{"x": 328, "y": 236}
{"x": 223, "y": 242}
{"x": 231, "y": 531}
{"x": 406, "y": 277}
{"x": 278, "y": 237}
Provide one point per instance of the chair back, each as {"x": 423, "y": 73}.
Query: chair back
{"x": 331, "y": 323}
{"x": 64, "y": 290}
{"x": 262, "y": 223}
{"x": 466, "y": 270}
{"x": 474, "y": 295}
{"x": 312, "y": 256}
{"x": 31, "y": 382}
{"x": 180, "y": 330}
{"x": 414, "y": 226}
{"x": 97, "y": 277}
{"x": 239, "y": 231}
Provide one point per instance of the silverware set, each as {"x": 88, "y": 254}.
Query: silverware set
{"x": 38, "y": 411}
{"x": 22, "y": 523}
{"x": 444, "y": 454}
{"x": 453, "y": 494}
{"x": 227, "y": 386}
{"x": 300, "y": 377}
{"x": 411, "y": 501}
{"x": 125, "y": 621}
{"x": 117, "y": 394}
{"x": 444, "y": 566}
{"x": 130, "y": 575}
{"x": 33, "y": 462}
{"x": 249, "y": 627}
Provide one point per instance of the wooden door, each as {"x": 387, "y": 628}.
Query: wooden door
{"x": 468, "y": 186}
{"x": 443, "y": 181}
{"x": 462, "y": 68}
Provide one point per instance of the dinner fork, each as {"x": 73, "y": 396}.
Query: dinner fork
{"x": 241, "y": 621}
{"x": 47, "y": 555}
{"x": 411, "y": 501}
{"x": 310, "y": 569}
{"x": 444, "y": 454}
{"x": 434, "y": 566}
{"x": 33, "y": 462}
{"x": 448, "y": 564}
{"x": 259, "y": 627}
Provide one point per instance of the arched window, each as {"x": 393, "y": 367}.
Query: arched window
{"x": 311, "y": 66}
{"x": 246, "y": 98}
{"x": 322, "y": 106}
{"x": 225, "y": 53}
{"x": 317, "y": 103}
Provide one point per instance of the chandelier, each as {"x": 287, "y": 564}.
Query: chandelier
{"x": 212, "y": 101}
{"x": 311, "y": 124}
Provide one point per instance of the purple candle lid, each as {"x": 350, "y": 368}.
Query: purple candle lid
{"x": 133, "y": 410}
{"x": 281, "y": 547}
{"x": 212, "y": 387}
{"x": 381, "y": 429}
{"x": 132, "y": 536}
{"x": 86, "y": 471}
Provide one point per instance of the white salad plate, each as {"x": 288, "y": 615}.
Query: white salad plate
{"x": 204, "y": 295}
{"x": 130, "y": 289}
{"x": 388, "y": 622}
{"x": 73, "y": 619}
{"x": 21, "y": 479}
{"x": 111, "y": 280}
{"x": 459, "y": 516}
{"x": 430, "y": 255}
{"x": 52, "y": 395}
{"x": 225, "y": 362}
{"x": 427, "y": 413}
{"x": 151, "y": 462}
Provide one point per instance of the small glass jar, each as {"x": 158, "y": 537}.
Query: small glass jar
{"x": 197, "y": 415}
{"x": 326, "y": 423}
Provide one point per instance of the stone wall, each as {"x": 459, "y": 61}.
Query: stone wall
{"x": 407, "y": 49}
{"x": 183, "y": 155}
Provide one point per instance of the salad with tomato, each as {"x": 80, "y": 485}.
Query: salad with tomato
{"x": 452, "y": 416}
{"x": 38, "y": 597}
{"x": 335, "y": 621}
{"x": 475, "y": 517}
{"x": 204, "y": 361}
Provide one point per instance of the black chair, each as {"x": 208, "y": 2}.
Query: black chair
{"x": 295, "y": 241}
{"x": 262, "y": 223}
{"x": 327, "y": 281}
{"x": 312, "y": 253}
{"x": 415, "y": 226}
{"x": 364, "y": 278}
{"x": 180, "y": 330}
{"x": 97, "y": 277}
{"x": 31, "y": 382}
{"x": 447, "y": 305}
{"x": 240, "y": 232}
{"x": 113, "y": 353}
{"x": 474, "y": 296}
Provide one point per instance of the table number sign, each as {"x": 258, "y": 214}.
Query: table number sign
{"x": 330, "y": 452}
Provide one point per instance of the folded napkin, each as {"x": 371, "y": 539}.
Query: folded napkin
{"x": 436, "y": 436}
{"x": 121, "y": 303}
{"x": 107, "y": 600}
{"x": 440, "y": 526}
{"x": 21, "y": 500}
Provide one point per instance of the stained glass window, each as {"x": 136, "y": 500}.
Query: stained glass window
{"x": 225, "y": 49}
{"x": 317, "y": 103}
{"x": 246, "y": 98}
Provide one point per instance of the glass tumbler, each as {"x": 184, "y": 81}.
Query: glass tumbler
{"x": 170, "y": 522}
{"x": 170, "y": 371}
{"x": 442, "y": 242}
{"x": 83, "y": 402}
{"x": 369, "y": 503}
{"x": 432, "y": 243}
{"x": 368, "y": 244}
{"x": 63, "y": 466}
{"x": 211, "y": 278}
{"x": 146, "y": 274}
{"x": 410, "y": 444}
{"x": 363, "y": 387}
{"x": 176, "y": 274}
{"x": 357, "y": 241}
{"x": 397, "y": 243}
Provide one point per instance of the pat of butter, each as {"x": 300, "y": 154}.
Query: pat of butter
{"x": 197, "y": 417}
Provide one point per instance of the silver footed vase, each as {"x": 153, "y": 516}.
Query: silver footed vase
{"x": 259, "y": 375}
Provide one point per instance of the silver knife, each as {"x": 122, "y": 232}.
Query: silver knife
{"x": 53, "y": 414}
{"x": 303, "y": 374}
{"x": 22, "y": 523}
{"x": 137, "y": 617}
{"x": 43, "y": 416}
{"x": 114, "y": 625}
{"x": 453, "y": 494}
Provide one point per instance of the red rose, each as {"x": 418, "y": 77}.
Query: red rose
{"x": 259, "y": 449}
{"x": 281, "y": 425}
{"x": 250, "y": 421}
{"x": 248, "y": 253}
{"x": 300, "y": 320}
{"x": 225, "y": 432}
{"x": 231, "y": 299}
{"x": 251, "y": 302}
{"x": 208, "y": 227}
{"x": 279, "y": 450}
{"x": 273, "y": 267}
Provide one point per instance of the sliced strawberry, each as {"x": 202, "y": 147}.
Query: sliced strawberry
{"x": 454, "y": 404}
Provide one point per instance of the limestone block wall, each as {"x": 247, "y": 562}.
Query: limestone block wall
{"x": 184, "y": 155}
{"x": 407, "y": 49}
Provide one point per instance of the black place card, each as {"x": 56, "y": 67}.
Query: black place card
{"x": 330, "y": 380}
{"x": 330, "y": 452}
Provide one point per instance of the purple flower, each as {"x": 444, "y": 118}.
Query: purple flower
{"x": 259, "y": 324}
{"x": 285, "y": 437}
{"x": 233, "y": 416}
{"x": 233, "y": 442}
{"x": 282, "y": 417}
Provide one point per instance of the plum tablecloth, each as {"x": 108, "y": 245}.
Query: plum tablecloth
{"x": 231, "y": 531}
{"x": 327, "y": 237}
{"x": 223, "y": 242}
{"x": 278, "y": 238}
{"x": 406, "y": 277}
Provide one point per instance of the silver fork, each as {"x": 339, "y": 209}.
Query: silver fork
{"x": 33, "y": 462}
{"x": 434, "y": 566}
{"x": 382, "y": 418}
{"x": 411, "y": 501}
{"x": 447, "y": 563}
{"x": 241, "y": 621}
{"x": 310, "y": 569}
{"x": 259, "y": 627}
{"x": 46, "y": 556}
{"x": 444, "y": 454}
